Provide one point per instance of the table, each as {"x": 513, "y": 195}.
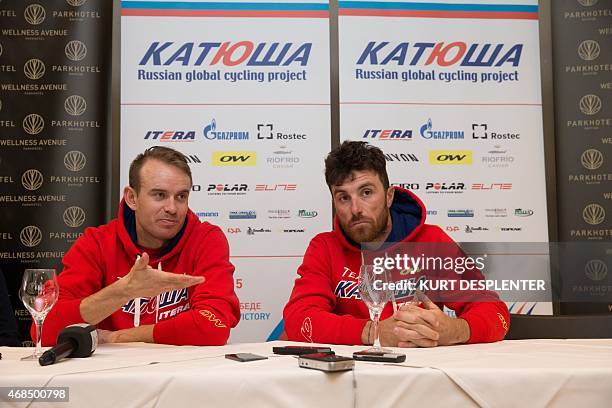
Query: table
{"x": 523, "y": 373}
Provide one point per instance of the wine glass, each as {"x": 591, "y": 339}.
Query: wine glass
{"x": 38, "y": 292}
{"x": 375, "y": 294}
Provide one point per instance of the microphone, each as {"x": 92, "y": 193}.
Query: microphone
{"x": 77, "y": 340}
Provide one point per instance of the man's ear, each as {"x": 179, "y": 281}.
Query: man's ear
{"x": 390, "y": 195}
{"x": 129, "y": 195}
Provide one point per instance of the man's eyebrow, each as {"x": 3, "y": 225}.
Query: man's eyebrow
{"x": 339, "y": 189}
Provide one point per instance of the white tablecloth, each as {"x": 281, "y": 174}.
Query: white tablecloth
{"x": 523, "y": 373}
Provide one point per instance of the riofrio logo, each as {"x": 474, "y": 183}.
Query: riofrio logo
{"x": 30, "y": 236}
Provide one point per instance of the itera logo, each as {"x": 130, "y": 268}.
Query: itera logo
{"x": 32, "y": 179}
{"x": 594, "y": 214}
{"x": 34, "y": 14}
{"x": 450, "y": 156}
{"x": 591, "y": 159}
{"x": 589, "y": 50}
{"x": 242, "y": 158}
{"x": 75, "y": 50}
{"x": 34, "y": 69}
{"x": 30, "y": 236}
{"x": 75, "y": 105}
{"x": 596, "y": 270}
{"x": 74, "y": 160}
{"x": 33, "y": 124}
{"x": 74, "y": 217}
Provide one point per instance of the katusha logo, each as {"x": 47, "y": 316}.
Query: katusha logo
{"x": 590, "y": 104}
{"x": 589, "y": 50}
{"x": 427, "y": 132}
{"x": 30, "y": 236}
{"x": 34, "y": 14}
{"x": 171, "y": 135}
{"x": 211, "y": 133}
{"x": 591, "y": 159}
{"x": 441, "y": 54}
{"x": 33, "y": 124}
{"x": 74, "y": 217}
{"x": 34, "y": 69}
{"x": 75, "y": 105}
{"x": 227, "y": 53}
{"x": 596, "y": 270}
{"x": 594, "y": 214}
{"x": 75, "y": 50}
{"x": 32, "y": 179}
{"x": 74, "y": 160}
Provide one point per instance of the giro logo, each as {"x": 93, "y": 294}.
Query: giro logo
{"x": 76, "y": 3}
{"x": 589, "y": 50}
{"x": 450, "y": 156}
{"x": 588, "y": 3}
{"x": 596, "y": 270}
{"x": 590, "y": 104}
{"x": 75, "y": 105}
{"x": 75, "y": 160}
{"x": 30, "y": 236}
{"x": 32, "y": 179}
{"x": 33, "y": 124}
{"x": 34, "y": 69}
{"x": 591, "y": 159}
{"x": 594, "y": 214}
{"x": 74, "y": 217}
{"x": 244, "y": 158}
{"x": 75, "y": 50}
{"x": 34, "y": 14}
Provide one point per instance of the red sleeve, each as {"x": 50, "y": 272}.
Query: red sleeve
{"x": 80, "y": 278}
{"x": 309, "y": 313}
{"x": 486, "y": 314}
{"x": 214, "y": 307}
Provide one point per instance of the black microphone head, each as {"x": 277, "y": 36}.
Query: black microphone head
{"x": 83, "y": 335}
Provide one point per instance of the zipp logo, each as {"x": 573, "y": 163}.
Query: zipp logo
{"x": 243, "y": 158}
{"x": 207, "y": 314}
{"x": 450, "y": 157}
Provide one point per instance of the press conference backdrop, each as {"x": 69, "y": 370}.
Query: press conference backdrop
{"x": 242, "y": 89}
{"x": 54, "y": 76}
{"x": 451, "y": 93}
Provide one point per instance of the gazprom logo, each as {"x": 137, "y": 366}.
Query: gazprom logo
{"x": 226, "y": 53}
{"x": 441, "y": 54}
{"x": 211, "y": 133}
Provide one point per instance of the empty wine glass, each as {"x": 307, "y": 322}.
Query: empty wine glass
{"x": 375, "y": 294}
{"x": 38, "y": 292}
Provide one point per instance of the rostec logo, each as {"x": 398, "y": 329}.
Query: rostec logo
{"x": 590, "y": 104}
{"x": 76, "y": 3}
{"x": 596, "y": 270}
{"x": 30, "y": 236}
{"x": 479, "y": 131}
{"x": 594, "y": 214}
{"x": 491, "y": 186}
{"x": 591, "y": 159}
{"x": 75, "y": 50}
{"x": 74, "y": 217}
{"x": 74, "y": 160}
{"x": 441, "y": 54}
{"x": 427, "y": 132}
{"x": 265, "y": 131}
{"x": 75, "y": 105}
{"x": 211, "y": 133}
{"x": 227, "y": 53}
{"x": 450, "y": 156}
{"x": 388, "y": 134}
{"x": 588, "y": 3}
{"x": 32, "y": 179}
{"x": 34, "y": 14}
{"x": 589, "y": 50}
{"x": 33, "y": 124}
{"x": 170, "y": 135}
{"x": 275, "y": 187}
{"x": 34, "y": 69}
{"x": 243, "y": 158}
